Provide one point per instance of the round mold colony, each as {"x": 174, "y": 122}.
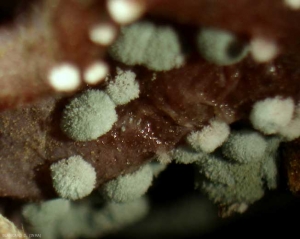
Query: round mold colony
{"x": 292, "y": 4}
{"x": 263, "y": 50}
{"x": 125, "y": 11}
{"x": 103, "y": 34}
{"x": 130, "y": 186}
{"x": 187, "y": 155}
{"x": 227, "y": 183}
{"x": 64, "y": 77}
{"x": 45, "y": 212}
{"x": 242, "y": 176}
{"x": 144, "y": 43}
{"x": 210, "y": 137}
{"x": 124, "y": 88}
{"x": 292, "y": 130}
{"x": 73, "y": 178}
{"x": 245, "y": 146}
{"x": 95, "y": 73}
{"x": 83, "y": 221}
{"x": 60, "y": 218}
{"x": 89, "y": 116}
{"x": 221, "y": 47}
{"x": 271, "y": 114}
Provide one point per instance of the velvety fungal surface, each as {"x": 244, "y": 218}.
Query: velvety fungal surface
{"x": 122, "y": 83}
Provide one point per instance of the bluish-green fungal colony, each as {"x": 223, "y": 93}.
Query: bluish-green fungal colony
{"x": 234, "y": 168}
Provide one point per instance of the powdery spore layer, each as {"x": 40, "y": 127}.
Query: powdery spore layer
{"x": 73, "y": 178}
{"x": 89, "y": 116}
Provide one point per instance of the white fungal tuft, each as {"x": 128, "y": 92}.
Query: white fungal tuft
{"x": 292, "y": 4}
{"x": 130, "y": 186}
{"x": 103, "y": 34}
{"x": 220, "y": 47}
{"x": 41, "y": 214}
{"x": 210, "y": 137}
{"x": 89, "y": 116}
{"x": 187, "y": 155}
{"x": 96, "y": 72}
{"x": 263, "y": 50}
{"x": 292, "y": 130}
{"x": 64, "y": 77}
{"x": 124, "y": 88}
{"x": 271, "y": 114}
{"x": 121, "y": 214}
{"x": 245, "y": 146}
{"x": 73, "y": 178}
{"x": 143, "y": 43}
{"x": 157, "y": 168}
{"x": 163, "y": 157}
{"x": 125, "y": 11}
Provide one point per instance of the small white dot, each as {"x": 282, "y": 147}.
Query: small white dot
{"x": 64, "y": 77}
{"x": 96, "y": 72}
{"x": 103, "y": 34}
{"x": 263, "y": 50}
{"x": 293, "y": 4}
{"x": 125, "y": 11}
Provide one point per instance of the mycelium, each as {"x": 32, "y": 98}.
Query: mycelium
{"x": 73, "y": 178}
{"x": 210, "y": 137}
{"x": 88, "y": 116}
{"x": 64, "y": 95}
{"x": 143, "y": 43}
{"x": 271, "y": 114}
{"x": 220, "y": 47}
{"x": 243, "y": 181}
{"x": 123, "y": 88}
{"x": 130, "y": 186}
{"x": 245, "y": 145}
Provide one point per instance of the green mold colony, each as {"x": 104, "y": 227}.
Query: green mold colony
{"x": 89, "y": 116}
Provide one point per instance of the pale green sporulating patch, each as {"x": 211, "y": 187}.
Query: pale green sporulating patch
{"x": 245, "y": 146}
{"x": 144, "y": 43}
{"x": 220, "y": 47}
{"x": 129, "y": 186}
{"x": 123, "y": 88}
{"x": 73, "y": 178}
{"x": 230, "y": 180}
{"x": 89, "y": 116}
